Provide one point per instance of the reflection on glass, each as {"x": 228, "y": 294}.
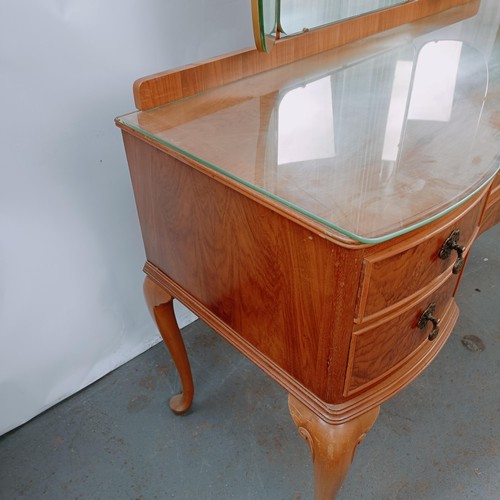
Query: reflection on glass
{"x": 355, "y": 146}
{"x": 397, "y": 110}
{"x": 306, "y": 123}
{"x": 443, "y": 140}
{"x": 405, "y": 131}
{"x": 299, "y": 15}
{"x": 434, "y": 83}
{"x": 365, "y": 104}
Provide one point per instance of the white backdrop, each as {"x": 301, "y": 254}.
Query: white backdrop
{"x": 71, "y": 306}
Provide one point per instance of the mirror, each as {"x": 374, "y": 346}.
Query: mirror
{"x": 273, "y": 19}
{"x": 265, "y": 14}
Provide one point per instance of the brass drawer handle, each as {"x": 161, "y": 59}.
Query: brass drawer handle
{"x": 451, "y": 244}
{"x": 428, "y": 315}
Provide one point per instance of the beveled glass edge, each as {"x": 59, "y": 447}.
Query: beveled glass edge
{"x": 345, "y": 232}
{"x": 263, "y": 41}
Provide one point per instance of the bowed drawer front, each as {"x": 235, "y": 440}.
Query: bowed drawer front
{"x": 405, "y": 301}
{"x": 392, "y": 277}
{"x": 383, "y": 346}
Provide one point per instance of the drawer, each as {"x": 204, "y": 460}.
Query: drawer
{"x": 491, "y": 215}
{"x": 400, "y": 272}
{"x": 379, "y": 348}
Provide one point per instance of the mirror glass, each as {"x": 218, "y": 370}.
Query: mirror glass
{"x": 290, "y": 17}
{"x": 300, "y": 15}
{"x": 265, "y": 21}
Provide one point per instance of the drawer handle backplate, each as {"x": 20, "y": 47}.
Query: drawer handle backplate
{"x": 428, "y": 315}
{"x": 451, "y": 244}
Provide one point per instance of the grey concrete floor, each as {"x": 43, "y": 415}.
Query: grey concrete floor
{"x": 438, "y": 439}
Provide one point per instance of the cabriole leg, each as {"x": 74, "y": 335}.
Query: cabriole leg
{"x": 332, "y": 446}
{"x": 160, "y": 304}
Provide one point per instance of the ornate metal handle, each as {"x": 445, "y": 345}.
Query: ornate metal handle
{"x": 428, "y": 315}
{"x": 451, "y": 244}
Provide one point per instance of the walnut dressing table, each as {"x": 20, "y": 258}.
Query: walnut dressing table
{"x": 316, "y": 206}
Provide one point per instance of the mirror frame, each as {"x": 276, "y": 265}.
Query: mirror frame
{"x": 264, "y": 42}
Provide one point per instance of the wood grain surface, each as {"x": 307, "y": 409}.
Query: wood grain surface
{"x": 161, "y": 88}
{"x": 283, "y": 293}
{"x": 286, "y": 290}
{"x": 414, "y": 263}
{"x": 491, "y": 215}
{"x": 378, "y": 348}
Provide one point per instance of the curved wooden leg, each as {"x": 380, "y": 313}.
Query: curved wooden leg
{"x": 160, "y": 304}
{"x": 332, "y": 446}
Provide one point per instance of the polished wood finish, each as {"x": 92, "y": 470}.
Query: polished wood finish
{"x": 332, "y": 446}
{"x": 389, "y": 342}
{"x": 253, "y": 269}
{"x": 491, "y": 214}
{"x": 334, "y": 321}
{"x": 414, "y": 261}
{"x": 283, "y": 289}
{"x": 248, "y": 268}
{"x": 160, "y": 305}
{"x": 168, "y": 86}
{"x": 359, "y": 401}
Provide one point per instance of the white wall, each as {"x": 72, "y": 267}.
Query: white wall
{"x": 71, "y": 306}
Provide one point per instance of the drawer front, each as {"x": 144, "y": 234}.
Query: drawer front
{"x": 397, "y": 274}
{"x": 491, "y": 214}
{"x": 376, "y": 350}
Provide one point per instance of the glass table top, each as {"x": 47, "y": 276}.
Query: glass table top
{"x": 372, "y": 139}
